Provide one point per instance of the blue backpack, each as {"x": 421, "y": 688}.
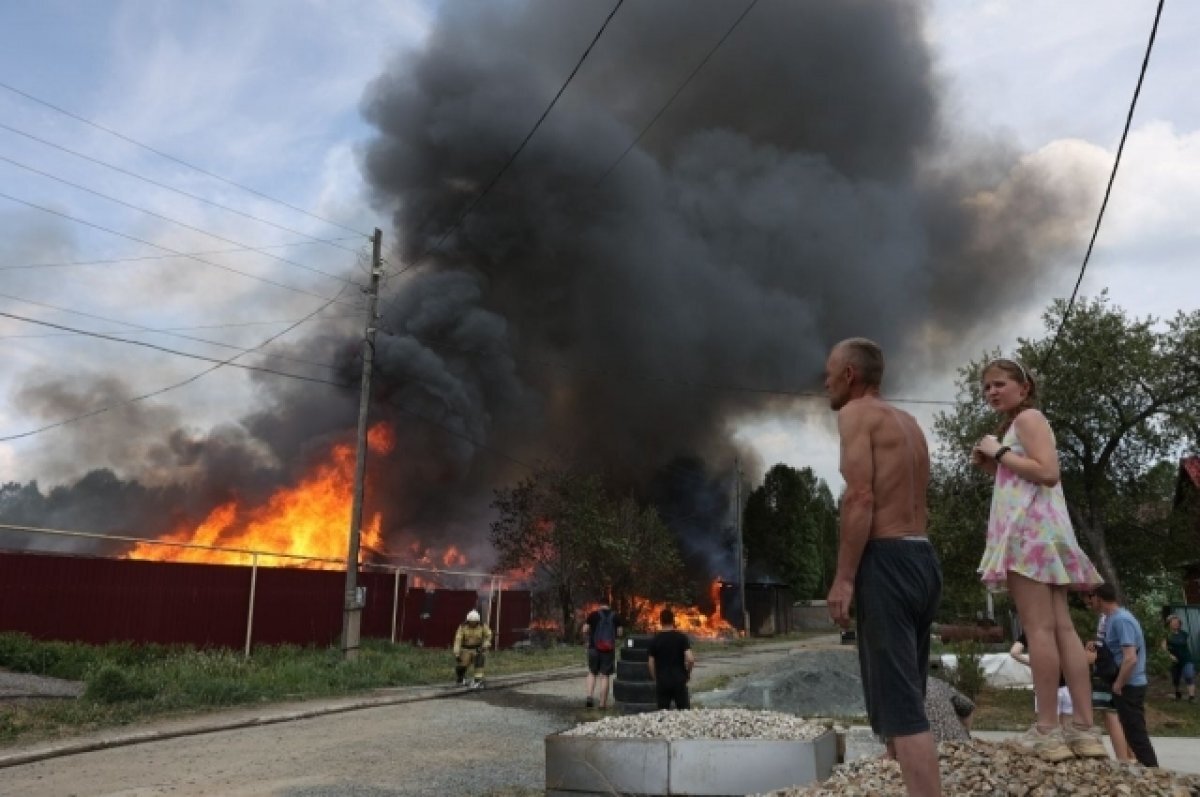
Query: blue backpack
{"x": 605, "y": 637}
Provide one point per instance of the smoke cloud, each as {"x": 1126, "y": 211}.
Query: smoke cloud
{"x": 808, "y": 185}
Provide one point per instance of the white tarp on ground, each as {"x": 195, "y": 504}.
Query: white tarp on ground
{"x": 999, "y": 670}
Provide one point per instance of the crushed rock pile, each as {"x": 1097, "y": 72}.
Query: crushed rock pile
{"x": 729, "y": 723}
{"x": 982, "y": 769}
{"x": 809, "y": 683}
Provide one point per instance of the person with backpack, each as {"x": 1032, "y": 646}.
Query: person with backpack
{"x": 1123, "y": 638}
{"x": 601, "y": 630}
{"x": 1104, "y": 671}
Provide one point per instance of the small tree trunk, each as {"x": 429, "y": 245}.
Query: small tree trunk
{"x": 567, "y": 605}
{"x": 1093, "y": 532}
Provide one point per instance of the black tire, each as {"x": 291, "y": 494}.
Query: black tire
{"x": 636, "y": 708}
{"x": 635, "y": 655}
{"x": 635, "y": 692}
{"x": 632, "y": 671}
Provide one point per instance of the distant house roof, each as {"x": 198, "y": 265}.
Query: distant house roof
{"x": 1191, "y": 466}
{"x": 1188, "y": 482}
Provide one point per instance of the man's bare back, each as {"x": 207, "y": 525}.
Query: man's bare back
{"x": 900, "y": 465}
{"x": 895, "y": 583}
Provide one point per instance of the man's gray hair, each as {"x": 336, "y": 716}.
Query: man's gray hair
{"x": 867, "y": 358}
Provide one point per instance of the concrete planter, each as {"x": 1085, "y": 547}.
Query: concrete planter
{"x": 585, "y": 765}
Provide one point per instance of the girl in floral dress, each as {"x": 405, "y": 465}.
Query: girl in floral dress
{"x": 1033, "y": 554}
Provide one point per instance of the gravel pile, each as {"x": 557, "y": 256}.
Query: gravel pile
{"x": 726, "y": 723}
{"x": 981, "y": 769}
{"x": 809, "y": 683}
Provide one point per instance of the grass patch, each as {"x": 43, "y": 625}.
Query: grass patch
{"x": 130, "y": 683}
{"x": 1012, "y": 710}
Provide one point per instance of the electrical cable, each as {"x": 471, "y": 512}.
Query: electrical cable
{"x": 431, "y": 343}
{"x": 234, "y": 325}
{"x": 108, "y": 261}
{"x": 185, "y": 225}
{"x": 196, "y": 197}
{"x": 678, "y": 91}
{"x": 156, "y": 347}
{"x": 172, "y": 158}
{"x": 1108, "y": 190}
{"x": 189, "y": 380}
{"x": 134, "y": 238}
{"x": 512, "y": 158}
{"x": 141, "y": 328}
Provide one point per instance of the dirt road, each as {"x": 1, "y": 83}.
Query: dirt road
{"x": 487, "y": 743}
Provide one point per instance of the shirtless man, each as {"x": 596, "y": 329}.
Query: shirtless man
{"x": 886, "y": 564}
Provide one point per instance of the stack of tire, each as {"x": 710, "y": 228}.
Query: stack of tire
{"x": 633, "y": 691}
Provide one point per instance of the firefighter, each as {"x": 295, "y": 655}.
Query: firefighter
{"x": 470, "y": 641}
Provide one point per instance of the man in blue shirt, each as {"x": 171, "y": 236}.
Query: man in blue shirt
{"x": 1124, "y": 639}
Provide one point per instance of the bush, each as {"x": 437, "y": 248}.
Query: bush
{"x": 70, "y": 660}
{"x": 110, "y": 684}
{"x": 967, "y": 677}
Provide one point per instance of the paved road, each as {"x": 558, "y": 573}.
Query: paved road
{"x": 465, "y": 744}
{"x": 404, "y": 742}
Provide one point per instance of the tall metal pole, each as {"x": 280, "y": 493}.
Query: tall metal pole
{"x": 352, "y": 607}
{"x": 737, "y": 466}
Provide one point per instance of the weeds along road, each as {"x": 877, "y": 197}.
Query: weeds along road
{"x": 468, "y": 743}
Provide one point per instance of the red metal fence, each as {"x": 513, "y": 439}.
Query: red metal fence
{"x": 94, "y": 600}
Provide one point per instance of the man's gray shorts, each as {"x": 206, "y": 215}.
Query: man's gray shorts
{"x": 896, "y": 592}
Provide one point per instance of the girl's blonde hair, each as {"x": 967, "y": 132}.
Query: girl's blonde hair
{"x": 1019, "y": 374}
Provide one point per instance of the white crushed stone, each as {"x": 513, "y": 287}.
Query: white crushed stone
{"x": 983, "y": 769}
{"x": 724, "y": 723}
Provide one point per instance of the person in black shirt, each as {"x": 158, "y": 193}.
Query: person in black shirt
{"x": 671, "y": 661}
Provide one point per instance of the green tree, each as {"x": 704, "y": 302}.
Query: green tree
{"x": 584, "y": 544}
{"x": 958, "y": 498}
{"x": 1123, "y": 397}
{"x": 548, "y": 522}
{"x": 637, "y": 556}
{"x": 790, "y": 530}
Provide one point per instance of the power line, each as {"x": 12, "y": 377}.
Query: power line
{"x": 496, "y": 178}
{"x": 678, "y": 91}
{"x": 606, "y": 373}
{"x": 189, "y": 355}
{"x": 108, "y": 261}
{"x": 141, "y": 328}
{"x": 172, "y": 158}
{"x": 185, "y": 225}
{"x": 1108, "y": 190}
{"x": 187, "y": 381}
{"x": 171, "y": 329}
{"x": 134, "y": 238}
{"x": 219, "y": 363}
{"x": 196, "y": 197}
{"x": 728, "y": 32}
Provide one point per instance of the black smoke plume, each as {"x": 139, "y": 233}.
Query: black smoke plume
{"x": 807, "y": 186}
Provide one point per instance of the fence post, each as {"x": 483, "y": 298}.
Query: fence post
{"x": 403, "y": 607}
{"x": 499, "y": 601}
{"x": 250, "y": 609}
{"x": 395, "y": 602}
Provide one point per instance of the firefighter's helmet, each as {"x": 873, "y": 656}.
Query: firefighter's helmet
{"x": 472, "y": 616}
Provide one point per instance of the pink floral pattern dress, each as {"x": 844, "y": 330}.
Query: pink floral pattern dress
{"x": 1029, "y": 532}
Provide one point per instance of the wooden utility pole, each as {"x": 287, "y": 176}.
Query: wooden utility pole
{"x": 741, "y": 553}
{"x": 352, "y": 607}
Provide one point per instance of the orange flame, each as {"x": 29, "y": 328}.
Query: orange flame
{"x": 311, "y": 519}
{"x": 689, "y": 619}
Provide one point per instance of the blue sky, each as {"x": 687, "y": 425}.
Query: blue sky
{"x": 266, "y": 93}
